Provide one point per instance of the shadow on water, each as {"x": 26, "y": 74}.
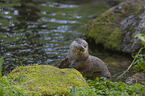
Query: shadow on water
{"x": 40, "y": 31}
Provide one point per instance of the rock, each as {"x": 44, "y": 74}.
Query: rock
{"x": 116, "y": 28}
{"x": 113, "y": 2}
{"x": 46, "y": 80}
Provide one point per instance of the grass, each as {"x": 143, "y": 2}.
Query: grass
{"x": 1, "y": 62}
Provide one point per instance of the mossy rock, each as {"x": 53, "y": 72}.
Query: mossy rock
{"x": 46, "y": 80}
{"x": 116, "y": 28}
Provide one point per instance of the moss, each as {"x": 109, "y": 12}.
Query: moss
{"x": 46, "y": 80}
{"x": 106, "y": 28}
{"x": 104, "y": 33}
{"x": 114, "y": 40}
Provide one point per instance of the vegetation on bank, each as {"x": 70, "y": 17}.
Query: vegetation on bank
{"x": 109, "y": 88}
{"x": 139, "y": 64}
{"x": 97, "y": 87}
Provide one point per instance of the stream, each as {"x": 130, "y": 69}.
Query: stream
{"x": 40, "y": 32}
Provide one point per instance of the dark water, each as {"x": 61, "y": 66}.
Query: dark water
{"x": 40, "y": 31}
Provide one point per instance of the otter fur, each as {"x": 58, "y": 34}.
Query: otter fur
{"x": 79, "y": 58}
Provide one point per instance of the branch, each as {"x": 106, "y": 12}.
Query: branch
{"x": 130, "y": 64}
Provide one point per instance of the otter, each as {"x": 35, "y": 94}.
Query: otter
{"x": 79, "y": 58}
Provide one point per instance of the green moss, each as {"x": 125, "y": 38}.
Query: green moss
{"x": 114, "y": 39}
{"x": 46, "y": 80}
{"x": 105, "y": 34}
{"x": 106, "y": 28}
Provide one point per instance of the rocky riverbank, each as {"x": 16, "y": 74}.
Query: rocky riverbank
{"x": 117, "y": 27}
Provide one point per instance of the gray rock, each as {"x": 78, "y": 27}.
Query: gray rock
{"x": 117, "y": 27}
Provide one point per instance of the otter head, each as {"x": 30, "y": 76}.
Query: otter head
{"x": 79, "y": 47}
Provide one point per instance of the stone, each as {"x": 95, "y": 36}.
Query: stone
{"x": 117, "y": 27}
{"x": 46, "y": 80}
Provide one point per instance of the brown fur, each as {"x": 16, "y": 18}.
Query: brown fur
{"x": 79, "y": 58}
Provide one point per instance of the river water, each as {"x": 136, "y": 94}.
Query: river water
{"x": 40, "y": 32}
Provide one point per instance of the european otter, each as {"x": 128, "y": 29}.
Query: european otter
{"x": 79, "y": 58}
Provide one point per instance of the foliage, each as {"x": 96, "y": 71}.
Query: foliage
{"x": 82, "y": 91}
{"x": 109, "y": 88}
{"x": 6, "y": 85}
{"x": 142, "y": 38}
{"x": 7, "y": 88}
{"x": 138, "y": 60}
{"x": 139, "y": 64}
{"x": 1, "y": 62}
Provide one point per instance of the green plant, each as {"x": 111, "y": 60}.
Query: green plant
{"x": 82, "y": 91}
{"x": 109, "y": 88}
{"x": 7, "y": 88}
{"x": 139, "y": 64}
{"x": 1, "y": 62}
{"x": 6, "y": 85}
{"x": 142, "y": 38}
{"x": 138, "y": 60}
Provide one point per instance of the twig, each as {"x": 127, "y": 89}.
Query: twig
{"x": 130, "y": 64}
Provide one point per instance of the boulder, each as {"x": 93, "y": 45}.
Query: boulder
{"x": 117, "y": 27}
{"x": 46, "y": 80}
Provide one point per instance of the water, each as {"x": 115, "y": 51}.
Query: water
{"x": 34, "y": 31}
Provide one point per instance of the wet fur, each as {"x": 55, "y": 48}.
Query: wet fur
{"x": 79, "y": 58}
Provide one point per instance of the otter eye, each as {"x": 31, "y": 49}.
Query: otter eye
{"x": 82, "y": 47}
